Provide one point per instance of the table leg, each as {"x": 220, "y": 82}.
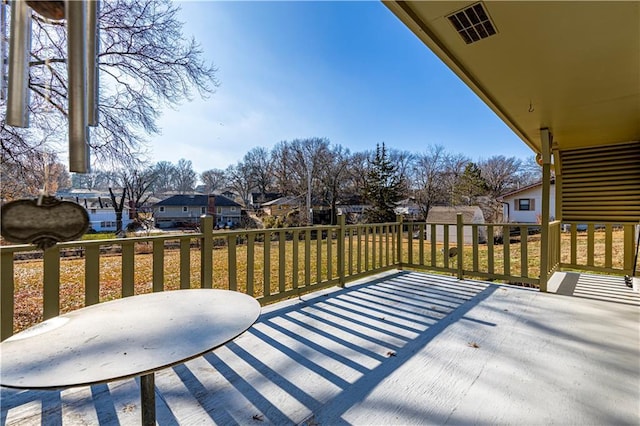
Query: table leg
{"x": 148, "y": 399}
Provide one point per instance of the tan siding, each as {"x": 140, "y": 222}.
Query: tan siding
{"x": 601, "y": 183}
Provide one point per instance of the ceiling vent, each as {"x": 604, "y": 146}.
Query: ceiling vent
{"x": 473, "y": 23}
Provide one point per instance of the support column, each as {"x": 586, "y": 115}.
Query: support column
{"x": 546, "y": 140}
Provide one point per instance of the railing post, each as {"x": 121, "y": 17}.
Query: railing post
{"x": 399, "y": 240}
{"x": 341, "y": 250}
{"x": 460, "y": 243}
{"x": 206, "y": 251}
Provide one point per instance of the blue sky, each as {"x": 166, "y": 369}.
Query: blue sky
{"x": 348, "y": 71}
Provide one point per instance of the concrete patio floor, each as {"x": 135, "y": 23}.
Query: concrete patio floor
{"x": 398, "y": 348}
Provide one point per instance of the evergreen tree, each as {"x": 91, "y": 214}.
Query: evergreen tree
{"x": 470, "y": 186}
{"x": 384, "y": 187}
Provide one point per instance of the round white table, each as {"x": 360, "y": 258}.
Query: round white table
{"x": 124, "y": 338}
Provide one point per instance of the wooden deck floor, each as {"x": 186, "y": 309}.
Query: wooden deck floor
{"x": 403, "y": 348}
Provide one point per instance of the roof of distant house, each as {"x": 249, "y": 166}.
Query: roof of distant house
{"x": 525, "y": 188}
{"x": 196, "y": 200}
{"x": 288, "y": 200}
{"x": 440, "y": 214}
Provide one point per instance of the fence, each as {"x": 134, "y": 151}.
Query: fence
{"x": 274, "y": 264}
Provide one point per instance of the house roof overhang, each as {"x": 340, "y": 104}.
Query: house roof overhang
{"x": 572, "y": 67}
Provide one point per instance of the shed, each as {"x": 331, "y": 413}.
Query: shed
{"x": 448, "y": 215}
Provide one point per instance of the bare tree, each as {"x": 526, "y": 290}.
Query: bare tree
{"x": 455, "y": 165}
{"x": 164, "y": 172}
{"x": 47, "y": 174}
{"x": 239, "y": 179}
{"x": 145, "y": 62}
{"x": 332, "y": 173}
{"x": 118, "y": 206}
{"x": 213, "y": 180}
{"x": 260, "y": 168}
{"x": 184, "y": 178}
{"x": 429, "y": 178}
{"x": 501, "y": 176}
{"x": 138, "y": 182}
{"x": 307, "y": 157}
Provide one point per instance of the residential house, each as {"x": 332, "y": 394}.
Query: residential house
{"x": 185, "y": 210}
{"x": 282, "y": 206}
{"x": 102, "y": 216}
{"x": 257, "y": 199}
{"x": 409, "y": 209}
{"x": 449, "y": 215}
{"x": 524, "y": 205}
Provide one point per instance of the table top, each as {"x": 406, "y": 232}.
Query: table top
{"x": 124, "y": 338}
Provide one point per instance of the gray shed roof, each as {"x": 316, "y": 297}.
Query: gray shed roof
{"x": 449, "y": 214}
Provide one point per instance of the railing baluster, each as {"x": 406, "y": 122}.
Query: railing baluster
{"x": 92, "y": 275}
{"x": 307, "y": 257}
{"x": 574, "y": 244}
{"x": 7, "y": 307}
{"x": 475, "y": 246}
{"x": 281, "y": 261}
{"x": 366, "y": 247}
{"x": 251, "y": 241}
{"x": 374, "y": 231}
{"x": 206, "y": 252}
{"x": 51, "y": 281}
{"x": 359, "y": 241}
{"x": 590, "y": 243}
{"x": 490, "y": 251}
{"x": 158, "y": 265}
{"x": 350, "y": 231}
{"x": 608, "y": 242}
{"x": 434, "y": 247}
{"x": 506, "y": 249}
{"x": 421, "y": 242}
{"x": 232, "y": 262}
{"x": 445, "y": 249}
{"x": 266, "y": 273}
{"x": 410, "y": 244}
{"x": 319, "y": 256}
{"x": 185, "y": 263}
{"x": 128, "y": 252}
{"x": 295, "y": 242}
{"x": 524, "y": 261}
{"x": 329, "y": 254}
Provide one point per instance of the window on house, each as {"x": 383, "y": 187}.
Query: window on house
{"x": 161, "y": 209}
{"x": 233, "y": 209}
{"x": 525, "y": 204}
{"x": 203, "y": 210}
{"x": 185, "y": 209}
{"x": 219, "y": 210}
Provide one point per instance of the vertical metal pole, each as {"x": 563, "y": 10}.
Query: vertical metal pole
{"x": 148, "y": 399}
{"x": 3, "y": 48}
{"x": 76, "y": 63}
{"x": 19, "y": 51}
{"x": 92, "y": 46}
{"x": 545, "y": 247}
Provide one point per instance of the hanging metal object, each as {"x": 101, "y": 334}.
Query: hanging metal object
{"x": 44, "y": 221}
{"x": 77, "y": 87}
{"x": 50, "y": 9}
{"x": 92, "y": 48}
{"x": 19, "y": 48}
{"x": 82, "y": 49}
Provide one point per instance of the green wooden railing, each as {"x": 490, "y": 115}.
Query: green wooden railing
{"x": 275, "y": 264}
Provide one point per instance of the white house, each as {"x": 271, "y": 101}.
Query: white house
{"x": 448, "y": 215}
{"x": 524, "y": 205}
{"x": 102, "y": 216}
